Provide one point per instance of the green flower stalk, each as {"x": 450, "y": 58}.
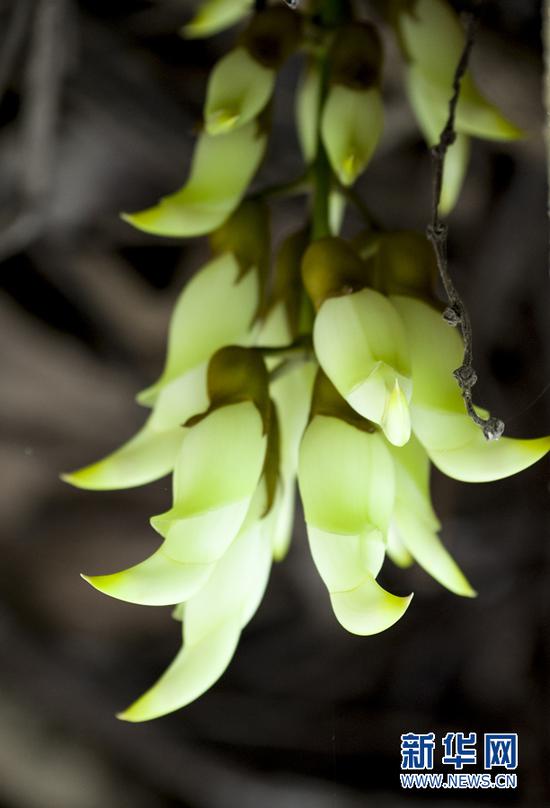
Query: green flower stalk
{"x": 331, "y": 373}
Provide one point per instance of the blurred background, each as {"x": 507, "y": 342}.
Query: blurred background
{"x": 99, "y": 105}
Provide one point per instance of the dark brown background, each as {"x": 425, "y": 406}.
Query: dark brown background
{"x": 97, "y": 114}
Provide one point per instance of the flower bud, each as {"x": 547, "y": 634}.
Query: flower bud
{"x": 330, "y": 267}
{"x": 238, "y": 374}
{"x": 272, "y": 36}
{"x": 245, "y": 234}
{"x": 402, "y": 263}
{"x": 356, "y": 56}
{"x": 216, "y": 184}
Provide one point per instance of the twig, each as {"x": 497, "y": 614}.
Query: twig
{"x": 456, "y": 314}
{"x": 43, "y": 79}
{"x": 12, "y": 41}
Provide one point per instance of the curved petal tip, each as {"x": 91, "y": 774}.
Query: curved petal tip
{"x": 368, "y": 609}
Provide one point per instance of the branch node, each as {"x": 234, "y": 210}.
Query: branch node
{"x": 465, "y": 376}
{"x": 452, "y": 316}
{"x": 493, "y": 429}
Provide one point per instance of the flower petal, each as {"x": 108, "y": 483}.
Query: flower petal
{"x": 214, "y": 189}
{"x": 396, "y": 550}
{"x": 221, "y": 459}
{"x": 214, "y": 16}
{"x": 215, "y": 480}
{"x": 361, "y": 345}
{"x": 430, "y": 103}
{"x": 396, "y": 420}
{"x": 212, "y": 623}
{"x": 215, "y": 308}
{"x": 238, "y": 89}
{"x": 157, "y": 581}
{"x": 343, "y": 560}
{"x": 479, "y": 460}
{"x": 368, "y": 609}
{"x": 194, "y": 670}
{"x": 180, "y": 399}
{"x": 147, "y": 456}
{"x": 423, "y": 543}
{"x": 228, "y": 589}
{"x": 435, "y": 350}
{"x": 351, "y": 125}
{"x": 346, "y": 478}
{"x": 432, "y": 37}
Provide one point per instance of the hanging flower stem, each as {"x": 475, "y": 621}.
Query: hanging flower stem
{"x": 456, "y": 313}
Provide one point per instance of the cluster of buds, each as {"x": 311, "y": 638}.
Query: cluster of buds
{"x": 332, "y": 375}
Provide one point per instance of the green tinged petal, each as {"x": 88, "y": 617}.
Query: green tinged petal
{"x": 215, "y": 478}
{"x": 396, "y": 420}
{"x": 215, "y": 15}
{"x": 478, "y": 460}
{"x": 347, "y": 485}
{"x": 453, "y": 442}
{"x": 396, "y": 550}
{"x": 368, "y": 609}
{"x": 152, "y": 452}
{"x": 238, "y": 89}
{"x": 212, "y": 623}
{"x": 229, "y": 588}
{"x": 215, "y": 308}
{"x": 157, "y": 581}
{"x": 214, "y": 189}
{"x": 477, "y": 116}
{"x": 343, "y": 561}
{"x": 221, "y": 459}
{"x": 291, "y": 394}
{"x": 351, "y": 125}
{"x": 194, "y": 670}
{"x": 144, "y": 458}
{"x": 361, "y": 345}
{"x": 433, "y": 39}
{"x": 346, "y": 478}
{"x": 180, "y": 399}
{"x": 431, "y": 36}
{"x": 454, "y": 173}
{"x": 415, "y": 524}
{"x": 435, "y": 350}
{"x": 423, "y": 543}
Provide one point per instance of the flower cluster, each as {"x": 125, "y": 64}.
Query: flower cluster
{"x": 333, "y": 372}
